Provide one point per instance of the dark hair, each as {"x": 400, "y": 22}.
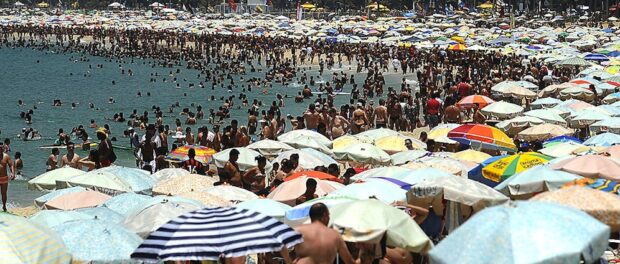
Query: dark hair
{"x": 317, "y": 211}
{"x": 311, "y": 183}
{"x": 233, "y": 152}
{"x": 191, "y": 153}
{"x": 260, "y": 159}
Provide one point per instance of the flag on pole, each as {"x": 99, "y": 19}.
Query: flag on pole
{"x": 299, "y": 12}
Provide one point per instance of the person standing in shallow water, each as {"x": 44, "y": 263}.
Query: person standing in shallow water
{"x": 105, "y": 148}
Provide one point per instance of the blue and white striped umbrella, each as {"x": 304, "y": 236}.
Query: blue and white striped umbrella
{"x": 211, "y": 233}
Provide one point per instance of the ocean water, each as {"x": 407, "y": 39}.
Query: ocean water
{"x": 39, "y": 77}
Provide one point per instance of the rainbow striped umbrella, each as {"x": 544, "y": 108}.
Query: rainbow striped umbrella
{"x": 457, "y": 47}
{"x": 469, "y": 101}
{"x": 503, "y": 168}
{"x": 482, "y": 136}
{"x": 597, "y": 184}
{"x": 203, "y": 154}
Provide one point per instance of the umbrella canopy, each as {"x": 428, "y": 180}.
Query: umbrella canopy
{"x": 148, "y": 218}
{"x": 51, "y": 218}
{"x": 547, "y": 116}
{"x": 604, "y": 140}
{"x": 544, "y": 132}
{"x": 396, "y": 143}
{"x": 457, "y": 47}
{"x": 369, "y": 220}
{"x": 538, "y": 179}
{"x": 313, "y": 174}
{"x": 576, "y": 61}
{"x": 126, "y": 202}
{"x": 561, "y": 139}
{"x": 169, "y": 173}
{"x": 103, "y": 213}
{"x": 471, "y": 155}
{"x": 24, "y": 241}
{"x": 597, "y": 184}
{"x": 307, "y": 159}
{"x": 379, "y": 187}
{"x": 268, "y": 147}
{"x": 603, "y": 206}
{"x": 289, "y": 191}
{"x": 266, "y": 206}
{"x": 203, "y": 154}
{"x": 469, "y": 101}
{"x": 519, "y": 92}
{"x": 363, "y": 152}
{"x": 574, "y": 234}
{"x": 205, "y": 198}
{"x": 246, "y": 161}
{"x": 518, "y": 124}
{"x": 293, "y": 134}
{"x": 607, "y": 125}
{"x": 308, "y": 142}
{"x": 221, "y": 232}
{"x": 545, "y": 102}
{"x": 587, "y": 117}
{"x": 442, "y": 163}
{"x": 456, "y": 189}
{"x": 577, "y": 93}
{"x": 75, "y": 200}
{"x": 308, "y": 6}
{"x": 97, "y": 240}
{"x": 115, "y": 180}
{"x": 47, "y": 181}
{"x": 486, "y": 137}
{"x": 502, "y": 110}
{"x": 561, "y": 149}
{"x": 389, "y": 171}
{"x": 591, "y": 166}
{"x": 408, "y": 155}
{"x": 41, "y": 200}
{"x": 183, "y": 184}
{"x": 301, "y": 212}
{"x": 348, "y": 140}
{"x": 378, "y": 133}
{"x": 231, "y": 193}
{"x": 440, "y": 133}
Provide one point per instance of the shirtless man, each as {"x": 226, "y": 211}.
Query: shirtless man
{"x": 312, "y": 118}
{"x": 71, "y": 159}
{"x": 339, "y": 125}
{"x": 5, "y": 165}
{"x": 381, "y": 115}
{"x": 321, "y": 244}
{"x": 52, "y": 160}
{"x": 360, "y": 120}
{"x": 395, "y": 113}
{"x": 232, "y": 168}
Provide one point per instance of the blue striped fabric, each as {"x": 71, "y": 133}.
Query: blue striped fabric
{"x": 211, "y": 233}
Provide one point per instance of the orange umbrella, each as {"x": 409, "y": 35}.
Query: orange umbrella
{"x": 76, "y": 200}
{"x": 203, "y": 154}
{"x": 470, "y": 101}
{"x": 314, "y": 174}
{"x": 287, "y": 192}
{"x": 457, "y": 47}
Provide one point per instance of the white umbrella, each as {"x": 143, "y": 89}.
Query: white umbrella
{"x": 231, "y": 193}
{"x": 587, "y": 117}
{"x": 269, "y": 147}
{"x": 502, "y": 110}
{"x": 561, "y": 149}
{"x": 389, "y": 171}
{"x": 169, "y": 173}
{"x": 307, "y": 159}
{"x": 547, "y": 115}
{"x": 545, "y": 102}
{"x": 147, "y": 219}
{"x": 607, "y": 125}
{"x": 406, "y": 156}
{"x": 47, "y": 181}
{"x": 291, "y": 135}
{"x": 543, "y": 132}
{"x": 308, "y": 142}
{"x": 375, "y": 134}
{"x": 364, "y": 152}
{"x": 517, "y": 124}
{"x": 537, "y": 179}
{"x": 577, "y": 93}
{"x": 246, "y": 161}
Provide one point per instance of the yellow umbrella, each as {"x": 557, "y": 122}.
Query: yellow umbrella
{"x": 486, "y": 5}
{"x": 308, "y": 6}
{"x": 440, "y": 133}
{"x": 457, "y": 47}
{"x": 43, "y": 5}
{"x": 458, "y": 39}
{"x": 396, "y": 143}
{"x": 471, "y": 155}
{"x": 613, "y": 69}
{"x": 345, "y": 141}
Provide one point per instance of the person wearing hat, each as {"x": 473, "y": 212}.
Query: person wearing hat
{"x": 106, "y": 154}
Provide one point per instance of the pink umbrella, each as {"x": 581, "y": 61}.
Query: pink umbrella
{"x": 591, "y": 166}
{"x": 76, "y": 200}
{"x": 288, "y": 191}
{"x": 614, "y": 151}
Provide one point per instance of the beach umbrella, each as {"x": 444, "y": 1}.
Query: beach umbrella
{"x": 501, "y": 86}
{"x": 267, "y": 207}
{"x": 561, "y": 139}
{"x": 591, "y": 166}
{"x": 212, "y": 233}
{"x": 375, "y": 134}
{"x": 577, "y": 93}
{"x": 614, "y": 151}
{"x": 603, "y": 206}
{"x": 442, "y": 163}
{"x": 561, "y": 149}
{"x": 103, "y": 213}
{"x": 483, "y": 136}
{"x": 457, "y": 47}
{"x": 76, "y": 200}
{"x": 379, "y": 187}
{"x": 587, "y": 117}
{"x": 307, "y": 159}
{"x": 183, "y": 184}
{"x": 545, "y": 102}
{"x": 486, "y": 5}
{"x": 300, "y": 213}
{"x": 396, "y": 143}
{"x": 231, "y": 193}
{"x": 576, "y": 236}
{"x": 51, "y": 218}
{"x": 502, "y": 110}
{"x": 370, "y": 220}
{"x": 543, "y": 132}
{"x": 596, "y": 57}
{"x": 293, "y": 134}
{"x": 313, "y": 174}
{"x": 519, "y": 92}
{"x": 388, "y": 171}
{"x": 504, "y": 168}
{"x": 471, "y": 156}
{"x": 469, "y": 101}
{"x": 47, "y": 181}
{"x": 555, "y": 88}
{"x": 205, "y": 198}
{"x": 308, "y": 6}
{"x": 408, "y": 155}
{"x": 604, "y": 140}
{"x": 537, "y": 179}
{"x": 115, "y": 180}
{"x": 169, "y": 173}
{"x": 440, "y": 133}
{"x": 456, "y": 189}
{"x": 24, "y": 241}
{"x": 148, "y": 218}
{"x": 203, "y": 154}
{"x": 518, "y": 124}
{"x": 246, "y": 161}
{"x": 612, "y": 98}
{"x": 573, "y": 105}
{"x": 576, "y": 61}
{"x": 348, "y": 140}
{"x": 476, "y": 173}
{"x": 289, "y": 191}
{"x": 126, "y": 202}
{"x": 41, "y": 200}
{"x": 363, "y": 152}
{"x": 97, "y": 240}
{"x": 597, "y": 184}
{"x": 268, "y": 147}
